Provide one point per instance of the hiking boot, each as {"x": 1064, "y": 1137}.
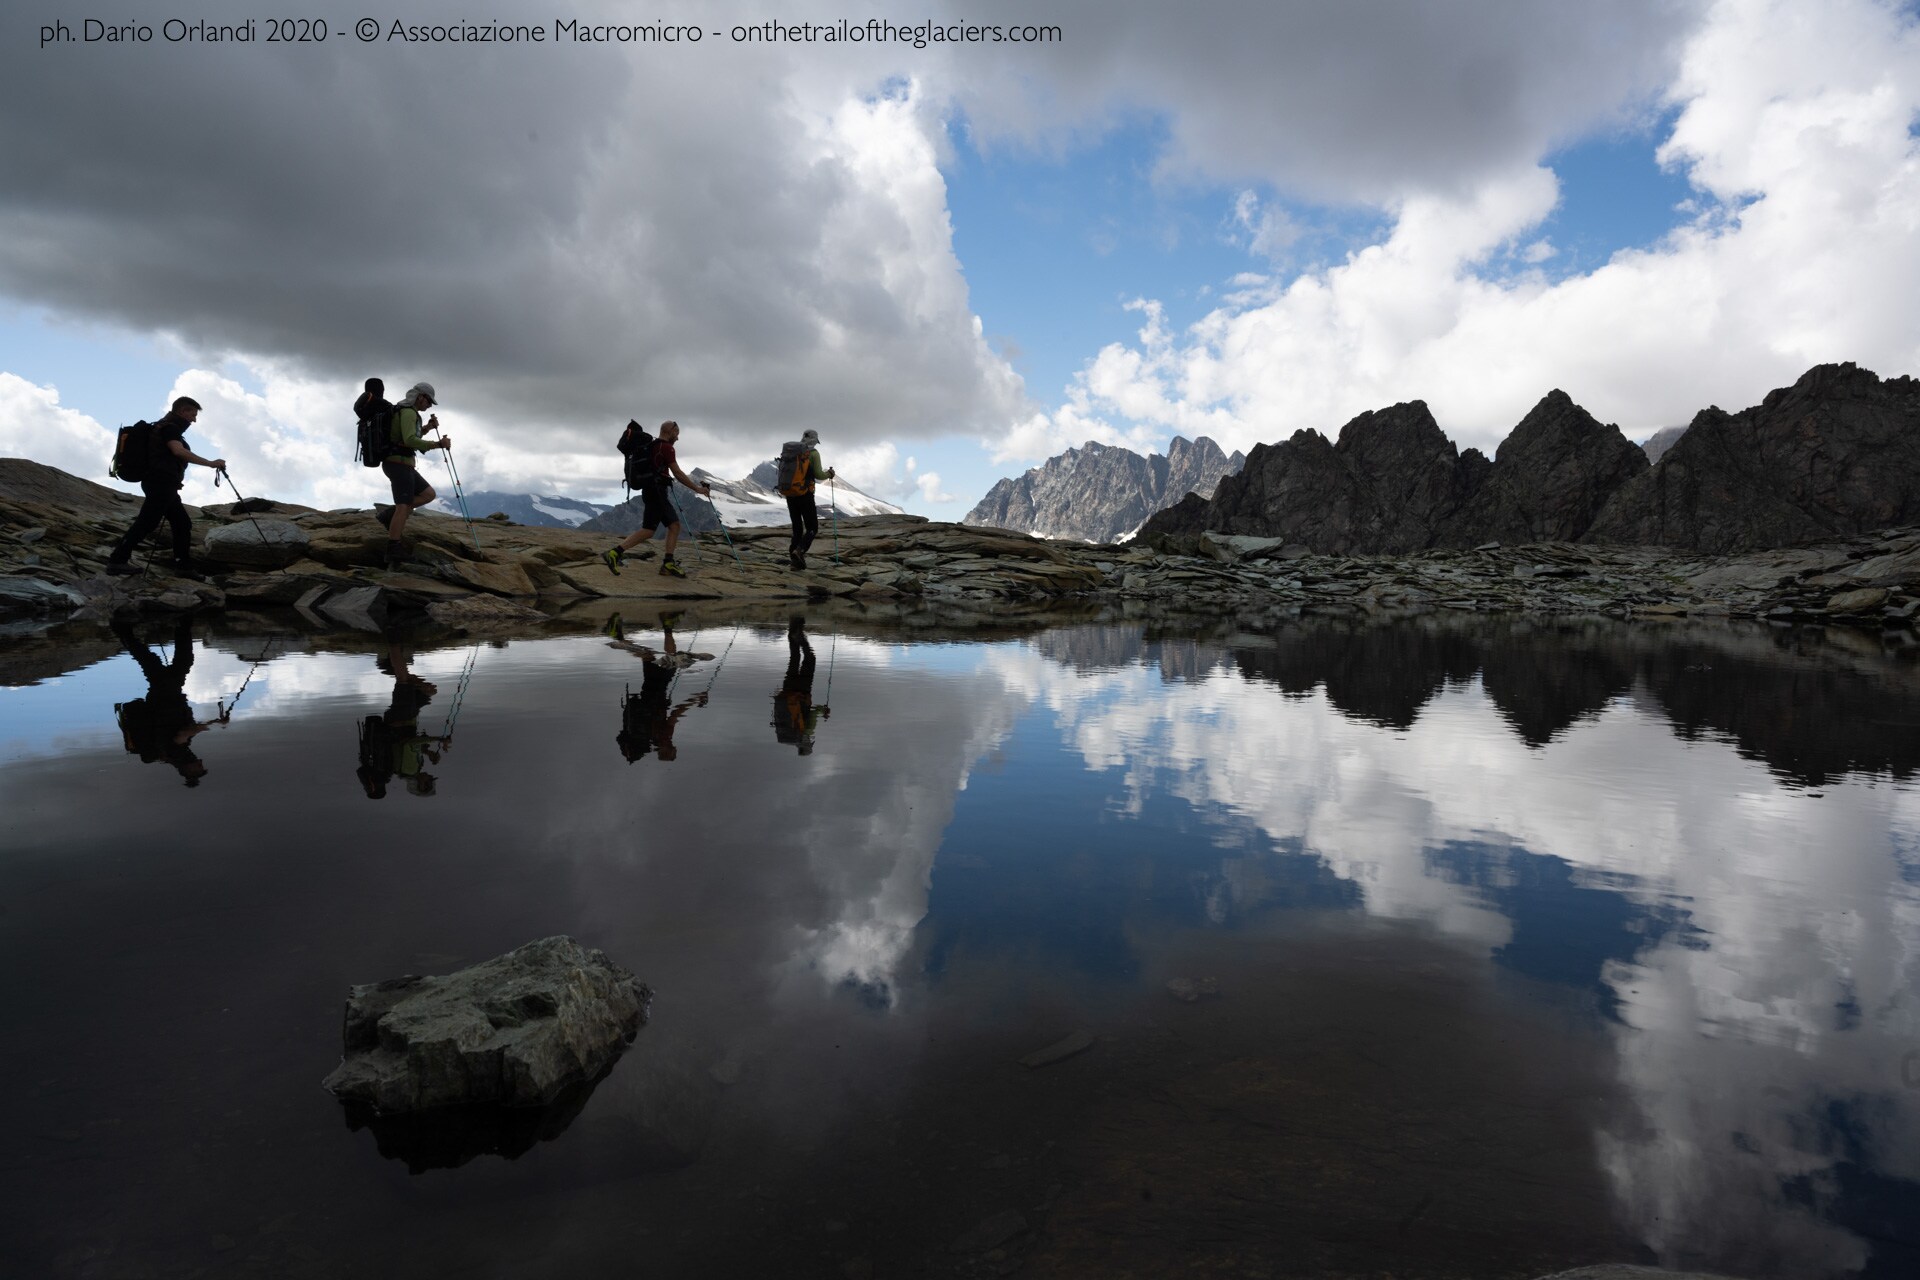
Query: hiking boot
{"x": 671, "y": 568}
{"x": 396, "y": 553}
{"x": 612, "y": 557}
{"x": 122, "y": 569}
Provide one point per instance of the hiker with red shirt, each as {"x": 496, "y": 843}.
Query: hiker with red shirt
{"x": 658, "y": 508}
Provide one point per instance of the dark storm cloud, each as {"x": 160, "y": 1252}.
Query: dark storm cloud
{"x": 561, "y": 236}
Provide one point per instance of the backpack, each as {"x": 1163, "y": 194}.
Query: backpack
{"x": 376, "y": 756}
{"x": 132, "y": 453}
{"x": 636, "y": 443}
{"x": 792, "y": 479}
{"x": 373, "y": 437}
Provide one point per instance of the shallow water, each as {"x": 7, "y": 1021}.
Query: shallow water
{"x": 1530, "y": 946}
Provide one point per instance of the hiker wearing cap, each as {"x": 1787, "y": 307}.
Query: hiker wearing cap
{"x": 795, "y": 716}
{"x": 166, "y": 471}
{"x": 410, "y": 488}
{"x": 657, "y": 506}
{"x": 801, "y": 506}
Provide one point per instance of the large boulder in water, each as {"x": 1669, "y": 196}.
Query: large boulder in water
{"x": 517, "y": 1030}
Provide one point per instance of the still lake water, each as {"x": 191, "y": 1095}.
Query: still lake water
{"x": 1528, "y": 946}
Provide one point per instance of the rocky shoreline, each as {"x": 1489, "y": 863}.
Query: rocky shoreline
{"x": 56, "y": 530}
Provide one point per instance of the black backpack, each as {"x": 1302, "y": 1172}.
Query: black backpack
{"x": 636, "y": 444}
{"x": 373, "y": 438}
{"x": 376, "y": 756}
{"x": 133, "y": 453}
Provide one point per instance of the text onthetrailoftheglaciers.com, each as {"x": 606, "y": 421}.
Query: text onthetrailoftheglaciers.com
{"x": 308, "y": 31}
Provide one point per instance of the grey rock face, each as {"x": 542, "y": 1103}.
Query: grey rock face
{"x": 516, "y": 1030}
{"x": 1660, "y": 441}
{"x": 1100, "y": 492}
{"x": 257, "y": 542}
{"x": 1837, "y": 453}
{"x": 1550, "y": 478}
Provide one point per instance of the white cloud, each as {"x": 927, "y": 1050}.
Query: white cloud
{"x": 929, "y": 486}
{"x": 1794, "y": 125}
{"x": 33, "y": 424}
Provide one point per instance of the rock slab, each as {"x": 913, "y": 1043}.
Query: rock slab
{"x": 513, "y": 1031}
{"x": 257, "y": 543}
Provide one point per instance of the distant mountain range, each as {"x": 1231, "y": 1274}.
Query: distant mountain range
{"x": 523, "y": 508}
{"x": 1101, "y": 493}
{"x": 751, "y": 501}
{"x": 1837, "y": 453}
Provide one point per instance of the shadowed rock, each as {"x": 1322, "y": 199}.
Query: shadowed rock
{"x": 1836, "y": 453}
{"x": 513, "y": 1031}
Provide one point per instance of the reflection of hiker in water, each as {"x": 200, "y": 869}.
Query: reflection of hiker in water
{"x": 794, "y": 716}
{"x": 647, "y": 718}
{"x": 392, "y": 744}
{"x": 161, "y": 726}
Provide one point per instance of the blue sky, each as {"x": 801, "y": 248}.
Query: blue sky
{"x": 1234, "y": 221}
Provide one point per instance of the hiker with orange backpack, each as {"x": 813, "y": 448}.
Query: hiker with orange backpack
{"x": 795, "y": 716}
{"x": 799, "y": 470}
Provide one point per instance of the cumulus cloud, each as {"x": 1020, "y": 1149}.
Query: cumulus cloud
{"x": 1793, "y": 126}
{"x": 928, "y": 483}
{"x": 34, "y": 424}
{"x": 559, "y": 238}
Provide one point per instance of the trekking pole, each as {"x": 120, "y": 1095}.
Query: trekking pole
{"x": 446, "y": 456}
{"x": 727, "y": 536}
{"x": 833, "y": 501}
{"x": 262, "y": 533}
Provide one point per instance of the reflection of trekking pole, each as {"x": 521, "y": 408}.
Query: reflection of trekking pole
{"x": 249, "y": 680}
{"x": 833, "y": 501}
{"x": 723, "y": 661}
{"x": 460, "y": 693}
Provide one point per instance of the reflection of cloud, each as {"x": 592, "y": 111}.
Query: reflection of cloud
{"x": 1794, "y": 906}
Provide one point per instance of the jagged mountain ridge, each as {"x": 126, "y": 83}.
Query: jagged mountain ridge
{"x": 539, "y": 509}
{"x": 1837, "y": 453}
{"x": 1101, "y": 493}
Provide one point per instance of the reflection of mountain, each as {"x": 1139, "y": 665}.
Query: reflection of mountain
{"x": 1380, "y": 675}
{"x": 1108, "y": 648}
{"x": 1810, "y": 709}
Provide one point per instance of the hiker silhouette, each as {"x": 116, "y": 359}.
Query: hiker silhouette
{"x": 391, "y": 744}
{"x": 161, "y": 726}
{"x": 649, "y": 717}
{"x": 795, "y": 717}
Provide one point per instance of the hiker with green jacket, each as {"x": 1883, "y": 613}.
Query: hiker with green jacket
{"x": 801, "y": 507}
{"x": 406, "y": 438}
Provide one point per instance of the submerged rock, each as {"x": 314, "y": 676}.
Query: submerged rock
{"x": 516, "y": 1031}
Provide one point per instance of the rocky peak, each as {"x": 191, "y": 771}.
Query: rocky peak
{"x": 1549, "y": 479}
{"x": 1836, "y": 453}
{"x": 1100, "y": 492}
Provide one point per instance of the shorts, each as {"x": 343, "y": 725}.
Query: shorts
{"x": 657, "y": 509}
{"x": 406, "y": 481}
